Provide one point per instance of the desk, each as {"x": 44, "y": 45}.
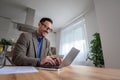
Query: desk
{"x": 68, "y": 73}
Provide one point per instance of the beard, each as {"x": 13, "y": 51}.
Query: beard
{"x": 44, "y": 33}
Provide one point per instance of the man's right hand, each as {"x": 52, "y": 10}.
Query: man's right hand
{"x": 49, "y": 59}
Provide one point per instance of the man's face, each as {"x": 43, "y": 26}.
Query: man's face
{"x": 45, "y": 28}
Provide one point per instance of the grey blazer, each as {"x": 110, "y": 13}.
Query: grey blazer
{"x": 24, "y": 53}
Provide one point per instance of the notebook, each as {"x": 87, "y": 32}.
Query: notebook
{"x": 66, "y": 61}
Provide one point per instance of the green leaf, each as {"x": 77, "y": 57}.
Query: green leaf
{"x": 96, "y": 53}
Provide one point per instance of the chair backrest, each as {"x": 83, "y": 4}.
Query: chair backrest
{"x": 9, "y": 57}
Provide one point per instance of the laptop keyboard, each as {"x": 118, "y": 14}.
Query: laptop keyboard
{"x": 48, "y": 65}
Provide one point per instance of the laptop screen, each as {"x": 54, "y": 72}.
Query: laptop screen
{"x": 70, "y": 57}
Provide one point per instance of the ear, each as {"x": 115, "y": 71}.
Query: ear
{"x": 39, "y": 24}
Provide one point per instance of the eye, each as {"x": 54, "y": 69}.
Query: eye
{"x": 47, "y": 27}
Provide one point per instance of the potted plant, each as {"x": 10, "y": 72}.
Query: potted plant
{"x": 96, "y": 53}
{"x": 6, "y": 43}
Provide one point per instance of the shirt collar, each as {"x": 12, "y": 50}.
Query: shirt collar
{"x": 38, "y": 36}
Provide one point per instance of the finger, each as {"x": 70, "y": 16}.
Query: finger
{"x": 45, "y": 60}
{"x": 59, "y": 60}
{"x": 52, "y": 61}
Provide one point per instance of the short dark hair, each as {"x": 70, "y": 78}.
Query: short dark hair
{"x": 46, "y": 19}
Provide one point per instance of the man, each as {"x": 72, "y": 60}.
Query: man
{"x": 33, "y": 49}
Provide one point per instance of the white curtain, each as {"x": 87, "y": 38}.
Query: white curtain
{"x": 74, "y": 36}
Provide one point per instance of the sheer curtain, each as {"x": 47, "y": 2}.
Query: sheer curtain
{"x": 75, "y": 36}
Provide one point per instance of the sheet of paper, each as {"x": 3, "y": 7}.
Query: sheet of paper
{"x": 17, "y": 69}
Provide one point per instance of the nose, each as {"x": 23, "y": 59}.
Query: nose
{"x": 47, "y": 31}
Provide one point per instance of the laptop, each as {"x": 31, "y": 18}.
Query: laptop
{"x": 66, "y": 61}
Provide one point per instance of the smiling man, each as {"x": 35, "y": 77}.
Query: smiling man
{"x": 33, "y": 49}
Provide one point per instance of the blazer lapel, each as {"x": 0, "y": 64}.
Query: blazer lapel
{"x": 43, "y": 48}
{"x": 34, "y": 38}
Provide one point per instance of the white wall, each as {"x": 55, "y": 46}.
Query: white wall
{"x": 4, "y": 23}
{"x": 12, "y": 13}
{"x": 91, "y": 23}
{"x": 108, "y": 17}
{"x": 58, "y": 41}
{"x": 8, "y": 29}
{"x": 91, "y": 28}
{"x": 16, "y": 13}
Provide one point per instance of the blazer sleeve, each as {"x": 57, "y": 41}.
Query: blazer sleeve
{"x": 21, "y": 57}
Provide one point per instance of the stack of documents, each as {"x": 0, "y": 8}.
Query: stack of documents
{"x": 17, "y": 69}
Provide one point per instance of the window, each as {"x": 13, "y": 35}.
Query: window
{"x": 74, "y": 36}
